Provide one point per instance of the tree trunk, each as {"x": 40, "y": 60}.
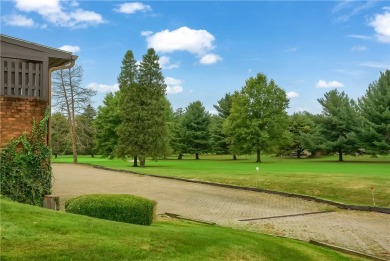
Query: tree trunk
{"x": 180, "y": 157}
{"x": 55, "y": 155}
{"x": 74, "y": 148}
{"x": 197, "y": 156}
{"x": 299, "y": 153}
{"x": 73, "y": 119}
{"x": 234, "y": 157}
{"x": 340, "y": 155}
{"x": 135, "y": 164}
{"x": 258, "y": 155}
{"x": 142, "y": 162}
{"x": 70, "y": 112}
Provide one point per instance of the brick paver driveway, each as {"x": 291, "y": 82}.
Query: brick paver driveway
{"x": 366, "y": 232}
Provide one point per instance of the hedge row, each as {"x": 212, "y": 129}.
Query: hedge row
{"x": 122, "y": 208}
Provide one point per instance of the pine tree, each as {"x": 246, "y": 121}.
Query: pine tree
{"x": 338, "y": 124}
{"x": 374, "y": 107}
{"x": 219, "y": 140}
{"x": 177, "y": 131}
{"x": 144, "y": 113}
{"x": 129, "y": 71}
{"x": 196, "y": 129}
{"x": 127, "y": 79}
{"x": 106, "y": 125}
{"x": 300, "y": 123}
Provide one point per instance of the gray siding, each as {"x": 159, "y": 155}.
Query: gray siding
{"x": 23, "y": 78}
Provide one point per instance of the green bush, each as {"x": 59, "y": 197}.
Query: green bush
{"x": 25, "y": 170}
{"x": 122, "y": 208}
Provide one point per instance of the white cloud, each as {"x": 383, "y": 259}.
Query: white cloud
{"x": 359, "y": 36}
{"x": 377, "y": 65}
{"x": 173, "y": 85}
{"x": 165, "y": 63}
{"x": 330, "y": 84}
{"x": 99, "y": 87}
{"x": 198, "y": 42}
{"x": 18, "y": 20}
{"x": 40, "y": 6}
{"x": 346, "y": 9}
{"x": 70, "y": 48}
{"x": 301, "y": 109}
{"x": 291, "y": 49}
{"x": 146, "y": 33}
{"x": 292, "y": 94}
{"x": 131, "y": 8}
{"x": 210, "y": 59}
{"x": 358, "y": 48}
{"x": 381, "y": 24}
{"x": 83, "y": 18}
{"x": 60, "y": 13}
{"x": 182, "y": 39}
{"x": 174, "y": 89}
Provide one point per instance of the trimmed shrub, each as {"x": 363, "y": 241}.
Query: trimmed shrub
{"x": 122, "y": 208}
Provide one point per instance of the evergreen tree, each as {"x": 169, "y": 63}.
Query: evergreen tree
{"x": 196, "y": 129}
{"x": 127, "y": 80}
{"x": 129, "y": 71}
{"x": 374, "y": 107}
{"x": 258, "y": 117}
{"x": 177, "y": 140}
{"x": 86, "y": 130}
{"x": 338, "y": 124}
{"x": 144, "y": 129}
{"x": 219, "y": 140}
{"x": 224, "y": 106}
{"x": 299, "y": 124}
{"x": 106, "y": 124}
{"x": 313, "y": 139}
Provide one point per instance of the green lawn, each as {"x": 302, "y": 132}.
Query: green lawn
{"x": 33, "y": 233}
{"x": 347, "y": 182}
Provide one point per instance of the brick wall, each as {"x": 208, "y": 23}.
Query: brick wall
{"x": 16, "y": 116}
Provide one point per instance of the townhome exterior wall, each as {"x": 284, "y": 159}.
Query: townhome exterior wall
{"x": 25, "y": 91}
{"x": 17, "y": 115}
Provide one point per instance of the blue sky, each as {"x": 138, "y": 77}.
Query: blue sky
{"x": 209, "y": 48}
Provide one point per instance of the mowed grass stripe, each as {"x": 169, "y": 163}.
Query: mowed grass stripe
{"x": 33, "y": 233}
{"x": 349, "y": 182}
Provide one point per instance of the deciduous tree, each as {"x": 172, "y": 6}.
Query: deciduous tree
{"x": 70, "y": 98}
{"x": 86, "y": 130}
{"x": 60, "y": 138}
{"x": 258, "y": 118}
